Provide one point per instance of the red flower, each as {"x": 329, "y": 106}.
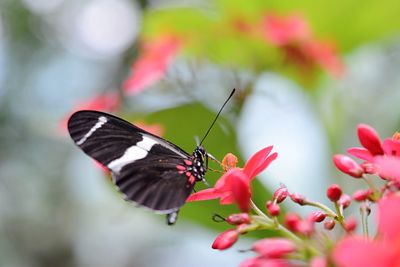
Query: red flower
{"x": 380, "y": 157}
{"x": 382, "y": 251}
{"x": 234, "y": 185}
{"x": 293, "y": 35}
{"x": 155, "y": 56}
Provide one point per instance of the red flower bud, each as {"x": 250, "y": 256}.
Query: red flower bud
{"x": 344, "y": 201}
{"x": 238, "y": 218}
{"x": 273, "y": 209}
{"x": 225, "y": 240}
{"x": 291, "y": 221}
{"x": 334, "y": 192}
{"x": 369, "y": 139}
{"x": 317, "y": 216}
{"x": 297, "y": 198}
{"x": 281, "y": 194}
{"x": 348, "y": 165}
{"x": 360, "y": 195}
{"x": 350, "y": 224}
{"x": 328, "y": 225}
{"x": 274, "y": 247}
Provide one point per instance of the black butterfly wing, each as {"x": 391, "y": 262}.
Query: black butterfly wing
{"x": 143, "y": 165}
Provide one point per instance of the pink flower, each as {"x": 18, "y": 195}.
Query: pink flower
{"x": 234, "y": 185}
{"x": 155, "y": 56}
{"x": 383, "y": 250}
{"x": 380, "y": 157}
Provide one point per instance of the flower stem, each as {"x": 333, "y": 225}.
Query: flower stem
{"x": 278, "y": 226}
{"x": 325, "y": 208}
{"x": 375, "y": 191}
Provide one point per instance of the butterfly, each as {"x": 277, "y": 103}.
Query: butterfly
{"x": 146, "y": 168}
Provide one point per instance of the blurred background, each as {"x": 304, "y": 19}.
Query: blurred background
{"x": 306, "y": 74}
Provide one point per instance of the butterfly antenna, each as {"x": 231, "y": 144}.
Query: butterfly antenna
{"x": 216, "y": 117}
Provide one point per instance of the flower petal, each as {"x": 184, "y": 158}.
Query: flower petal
{"x": 389, "y": 218}
{"x": 391, "y": 147}
{"x": 361, "y": 153}
{"x": 240, "y": 188}
{"x": 205, "y": 194}
{"x": 258, "y": 162}
{"x": 151, "y": 65}
{"x": 227, "y": 199}
{"x": 369, "y": 139}
{"x": 389, "y": 167}
{"x": 369, "y": 253}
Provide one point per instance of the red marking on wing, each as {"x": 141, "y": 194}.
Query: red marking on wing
{"x": 181, "y": 168}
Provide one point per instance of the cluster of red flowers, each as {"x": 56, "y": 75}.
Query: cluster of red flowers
{"x": 301, "y": 242}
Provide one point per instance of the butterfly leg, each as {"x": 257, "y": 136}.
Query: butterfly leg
{"x": 172, "y": 217}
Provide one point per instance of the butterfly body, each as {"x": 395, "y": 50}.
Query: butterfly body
{"x": 147, "y": 169}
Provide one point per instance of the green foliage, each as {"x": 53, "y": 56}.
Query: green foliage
{"x": 212, "y": 33}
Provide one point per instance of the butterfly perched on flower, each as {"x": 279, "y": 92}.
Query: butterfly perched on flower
{"x": 146, "y": 168}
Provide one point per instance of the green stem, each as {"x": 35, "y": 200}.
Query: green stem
{"x": 375, "y": 191}
{"x": 327, "y": 210}
{"x": 278, "y": 226}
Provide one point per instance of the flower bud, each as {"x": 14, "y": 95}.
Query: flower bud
{"x": 317, "y": 216}
{"x": 344, "y": 201}
{"x": 297, "y": 198}
{"x": 226, "y": 239}
{"x": 360, "y": 195}
{"x": 334, "y": 192}
{"x": 238, "y": 218}
{"x": 350, "y": 224}
{"x": 369, "y": 139}
{"x": 274, "y": 248}
{"x": 329, "y": 225}
{"x": 273, "y": 209}
{"x": 348, "y": 165}
{"x": 291, "y": 221}
{"x": 281, "y": 194}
